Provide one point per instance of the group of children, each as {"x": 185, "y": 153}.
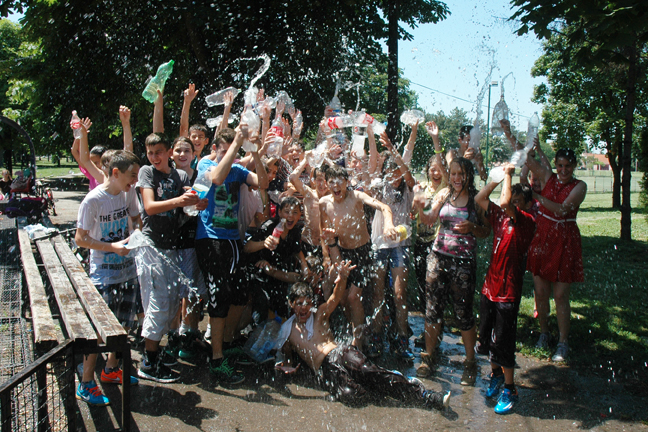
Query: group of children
{"x": 293, "y": 238}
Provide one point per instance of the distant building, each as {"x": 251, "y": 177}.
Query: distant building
{"x": 595, "y": 161}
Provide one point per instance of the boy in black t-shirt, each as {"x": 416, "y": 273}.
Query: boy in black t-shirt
{"x": 280, "y": 259}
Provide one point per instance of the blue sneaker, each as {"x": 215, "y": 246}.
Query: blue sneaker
{"x": 402, "y": 350}
{"x": 495, "y": 384}
{"x": 91, "y": 394}
{"x": 506, "y": 402}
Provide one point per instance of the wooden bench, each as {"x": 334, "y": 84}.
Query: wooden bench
{"x": 85, "y": 317}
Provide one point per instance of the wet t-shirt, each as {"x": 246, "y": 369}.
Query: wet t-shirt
{"x": 188, "y": 224}
{"x": 511, "y": 240}
{"x": 283, "y": 256}
{"x": 449, "y": 241}
{"x": 162, "y": 228}
{"x": 220, "y": 219}
{"x": 105, "y": 217}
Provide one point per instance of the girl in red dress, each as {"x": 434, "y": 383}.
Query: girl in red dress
{"x": 555, "y": 257}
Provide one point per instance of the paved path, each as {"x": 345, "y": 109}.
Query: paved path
{"x": 552, "y": 397}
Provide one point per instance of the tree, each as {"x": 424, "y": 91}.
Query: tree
{"x": 598, "y": 33}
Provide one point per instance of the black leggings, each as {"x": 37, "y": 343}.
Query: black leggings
{"x": 347, "y": 374}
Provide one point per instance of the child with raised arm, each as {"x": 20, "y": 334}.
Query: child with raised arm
{"x": 102, "y": 227}
{"x": 343, "y": 369}
{"x": 345, "y": 230}
{"x": 220, "y": 246}
{"x": 513, "y": 230}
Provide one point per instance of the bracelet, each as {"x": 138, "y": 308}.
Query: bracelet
{"x": 440, "y": 151}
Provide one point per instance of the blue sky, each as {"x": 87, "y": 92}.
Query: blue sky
{"x": 455, "y": 56}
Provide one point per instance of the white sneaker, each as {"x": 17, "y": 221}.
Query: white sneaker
{"x": 561, "y": 352}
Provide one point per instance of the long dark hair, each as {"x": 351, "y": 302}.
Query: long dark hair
{"x": 469, "y": 185}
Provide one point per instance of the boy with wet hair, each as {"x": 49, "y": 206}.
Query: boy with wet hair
{"x": 345, "y": 232}
{"x": 162, "y": 197}
{"x": 342, "y": 369}
{"x": 513, "y": 230}
{"x": 106, "y": 210}
{"x": 280, "y": 258}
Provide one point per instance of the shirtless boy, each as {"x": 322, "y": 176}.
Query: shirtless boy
{"x": 342, "y": 369}
{"x": 345, "y": 232}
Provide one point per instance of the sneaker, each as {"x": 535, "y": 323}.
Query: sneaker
{"x": 374, "y": 347}
{"x": 91, "y": 394}
{"x": 427, "y": 366}
{"x": 543, "y": 342}
{"x": 115, "y": 377}
{"x": 561, "y": 352}
{"x": 167, "y": 359}
{"x": 469, "y": 375}
{"x": 225, "y": 374}
{"x": 401, "y": 348}
{"x": 506, "y": 401}
{"x": 436, "y": 400}
{"x": 207, "y": 335}
{"x": 158, "y": 372}
{"x": 496, "y": 383}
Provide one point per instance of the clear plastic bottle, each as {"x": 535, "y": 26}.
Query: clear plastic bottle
{"x": 519, "y": 158}
{"x": 340, "y": 121}
{"x": 410, "y": 117}
{"x": 496, "y": 174}
{"x": 336, "y": 105}
{"x": 475, "y": 136}
{"x": 75, "y": 124}
{"x": 218, "y": 98}
{"x": 251, "y": 119}
{"x": 158, "y": 81}
{"x": 279, "y": 229}
{"x": 500, "y": 112}
{"x": 275, "y": 148}
{"x": 532, "y": 130}
{"x": 263, "y": 340}
{"x": 200, "y": 187}
{"x": 383, "y": 242}
{"x": 299, "y": 124}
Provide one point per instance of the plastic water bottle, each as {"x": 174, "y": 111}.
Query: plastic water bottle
{"x": 496, "y": 174}
{"x": 215, "y": 121}
{"x": 519, "y": 158}
{"x": 475, "y": 137}
{"x": 316, "y": 156}
{"x": 410, "y": 117}
{"x": 279, "y": 229}
{"x": 158, "y": 81}
{"x": 275, "y": 148}
{"x": 250, "y": 96}
{"x": 218, "y": 98}
{"x": 336, "y": 105}
{"x": 382, "y": 242}
{"x": 75, "y": 124}
{"x": 500, "y": 112}
{"x": 282, "y": 96}
{"x": 532, "y": 130}
{"x": 299, "y": 124}
{"x": 200, "y": 187}
{"x": 360, "y": 123}
{"x": 263, "y": 340}
{"x": 251, "y": 119}
{"x": 340, "y": 121}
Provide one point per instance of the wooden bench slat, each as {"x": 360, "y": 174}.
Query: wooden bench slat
{"x": 76, "y": 322}
{"x": 47, "y": 333}
{"x": 110, "y": 330}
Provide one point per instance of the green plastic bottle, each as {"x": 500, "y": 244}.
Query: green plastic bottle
{"x": 158, "y": 81}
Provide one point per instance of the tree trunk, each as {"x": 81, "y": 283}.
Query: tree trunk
{"x": 613, "y": 156}
{"x": 626, "y": 161}
{"x": 392, "y": 71}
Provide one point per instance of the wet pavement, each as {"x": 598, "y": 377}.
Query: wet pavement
{"x": 552, "y": 396}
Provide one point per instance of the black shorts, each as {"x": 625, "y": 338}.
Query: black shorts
{"x": 362, "y": 276}
{"x": 220, "y": 266}
{"x": 497, "y": 331}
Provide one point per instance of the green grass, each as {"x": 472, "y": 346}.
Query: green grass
{"x": 609, "y": 319}
{"x": 45, "y": 168}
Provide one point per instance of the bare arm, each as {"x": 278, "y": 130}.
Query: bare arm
{"x": 229, "y": 99}
{"x": 153, "y": 207}
{"x": 482, "y": 198}
{"x": 222, "y": 170}
{"x": 373, "y": 151}
{"x": 505, "y": 196}
{"x": 572, "y": 202}
{"x": 407, "y": 175}
{"x": 296, "y": 181}
{"x": 124, "y": 117}
{"x": 75, "y": 150}
{"x": 84, "y": 153}
{"x": 388, "y": 222}
{"x": 158, "y": 113}
{"x": 409, "y": 147}
{"x": 343, "y": 270}
{"x": 189, "y": 95}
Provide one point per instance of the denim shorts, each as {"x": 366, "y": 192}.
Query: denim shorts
{"x": 393, "y": 257}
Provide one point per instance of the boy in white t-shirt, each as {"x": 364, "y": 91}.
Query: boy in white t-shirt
{"x": 102, "y": 227}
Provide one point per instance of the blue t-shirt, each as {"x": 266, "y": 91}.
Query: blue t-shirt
{"x": 220, "y": 219}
